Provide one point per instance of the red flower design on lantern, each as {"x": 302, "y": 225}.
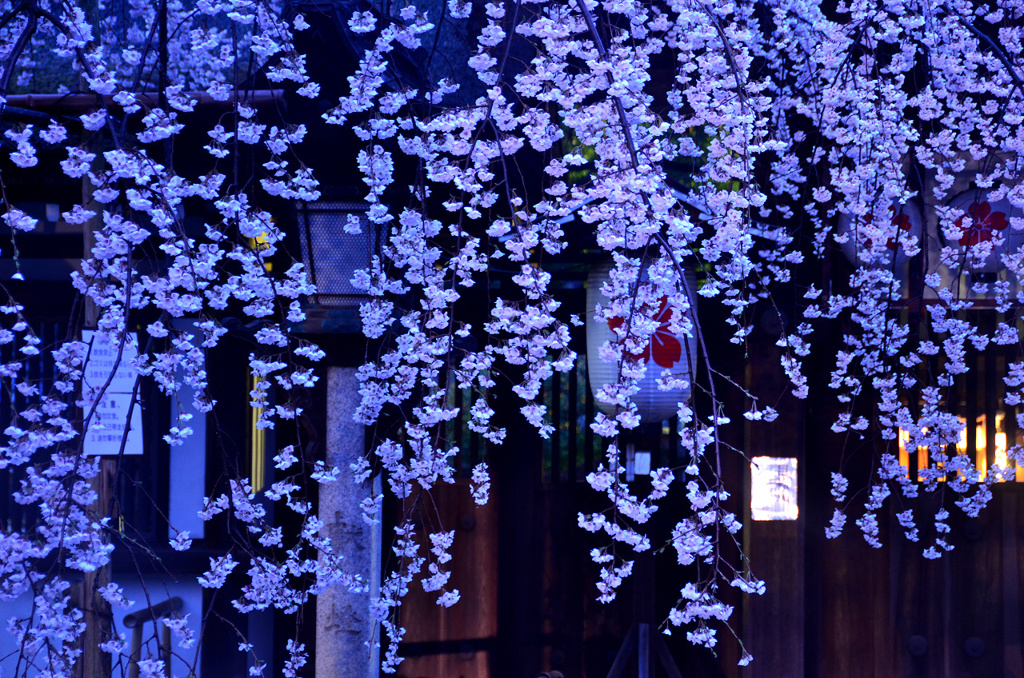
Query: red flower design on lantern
{"x": 984, "y": 223}
{"x": 901, "y": 220}
{"x": 663, "y": 346}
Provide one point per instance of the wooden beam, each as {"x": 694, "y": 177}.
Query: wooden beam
{"x": 85, "y": 102}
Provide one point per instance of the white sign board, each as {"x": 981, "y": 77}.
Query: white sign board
{"x": 101, "y": 361}
{"x": 107, "y": 427}
{"x": 773, "y": 490}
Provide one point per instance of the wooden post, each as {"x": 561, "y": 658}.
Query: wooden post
{"x": 95, "y": 663}
{"x": 136, "y": 652}
{"x": 165, "y": 647}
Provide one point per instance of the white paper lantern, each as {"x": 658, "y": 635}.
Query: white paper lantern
{"x": 665, "y": 351}
{"x": 908, "y": 222}
{"x": 985, "y": 220}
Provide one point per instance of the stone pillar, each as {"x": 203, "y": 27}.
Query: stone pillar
{"x": 343, "y": 621}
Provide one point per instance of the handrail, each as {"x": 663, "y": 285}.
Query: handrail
{"x": 136, "y": 620}
{"x": 153, "y": 613}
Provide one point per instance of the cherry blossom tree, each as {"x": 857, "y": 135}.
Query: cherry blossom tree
{"x": 804, "y": 128}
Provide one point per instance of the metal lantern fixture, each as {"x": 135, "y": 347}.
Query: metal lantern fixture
{"x": 332, "y": 252}
{"x": 665, "y": 351}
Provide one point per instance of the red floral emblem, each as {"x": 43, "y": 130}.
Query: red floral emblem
{"x": 984, "y": 224}
{"x": 663, "y": 346}
{"x": 901, "y": 220}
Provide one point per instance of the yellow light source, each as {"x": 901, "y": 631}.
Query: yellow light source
{"x": 1000, "y": 446}
{"x": 257, "y": 442}
{"x": 922, "y": 454}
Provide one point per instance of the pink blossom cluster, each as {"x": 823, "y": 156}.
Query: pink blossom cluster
{"x": 806, "y": 133}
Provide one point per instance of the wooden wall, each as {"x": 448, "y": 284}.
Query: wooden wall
{"x": 839, "y": 608}
{"x": 833, "y": 608}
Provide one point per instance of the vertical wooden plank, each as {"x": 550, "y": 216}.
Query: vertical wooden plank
{"x": 461, "y": 462}
{"x": 644, "y": 651}
{"x": 457, "y": 641}
{"x": 1005, "y": 440}
{"x": 920, "y": 604}
{"x": 474, "y": 446}
{"x": 517, "y": 483}
{"x": 588, "y": 433}
{"x": 992, "y": 378}
{"x": 975, "y": 366}
{"x": 974, "y": 616}
{"x": 856, "y": 619}
{"x": 1010, "y": 420}
{"x": 1012, "y": 660}
{"x": 556, "y": 422}
{"x": 561, "y": 621}
{"x": 773, "y": 624}
{"x": 572, "y": 432}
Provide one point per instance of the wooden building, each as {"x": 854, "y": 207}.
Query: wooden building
{"x": 832, "y": 609}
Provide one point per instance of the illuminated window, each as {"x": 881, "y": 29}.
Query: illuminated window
{"x": 920, "y": 453}
{"x": 986, "y": 453}
{"x": 994, "y": 454}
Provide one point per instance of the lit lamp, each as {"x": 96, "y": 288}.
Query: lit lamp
{"x": 332, "y": 252}
{"x": 906, "y": 221}
{"x": 986, "y": 220}
{"x": 773, "y": 488}
{"x": 665, "y": 351}
{"x": 978, "y": 219}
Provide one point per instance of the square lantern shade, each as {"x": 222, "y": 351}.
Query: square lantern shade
{"x": 773, "y": 490}
{"x": 331, "y": 254}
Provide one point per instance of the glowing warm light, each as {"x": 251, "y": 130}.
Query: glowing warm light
{"x": 904, "y": 455}
{"x": 981, "y": 444}
{"x": 922, "y": 455}
{"x": 1001, "y": 449}
{"x": 1000, "y": 457}
{"x": 983, "y": 458}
